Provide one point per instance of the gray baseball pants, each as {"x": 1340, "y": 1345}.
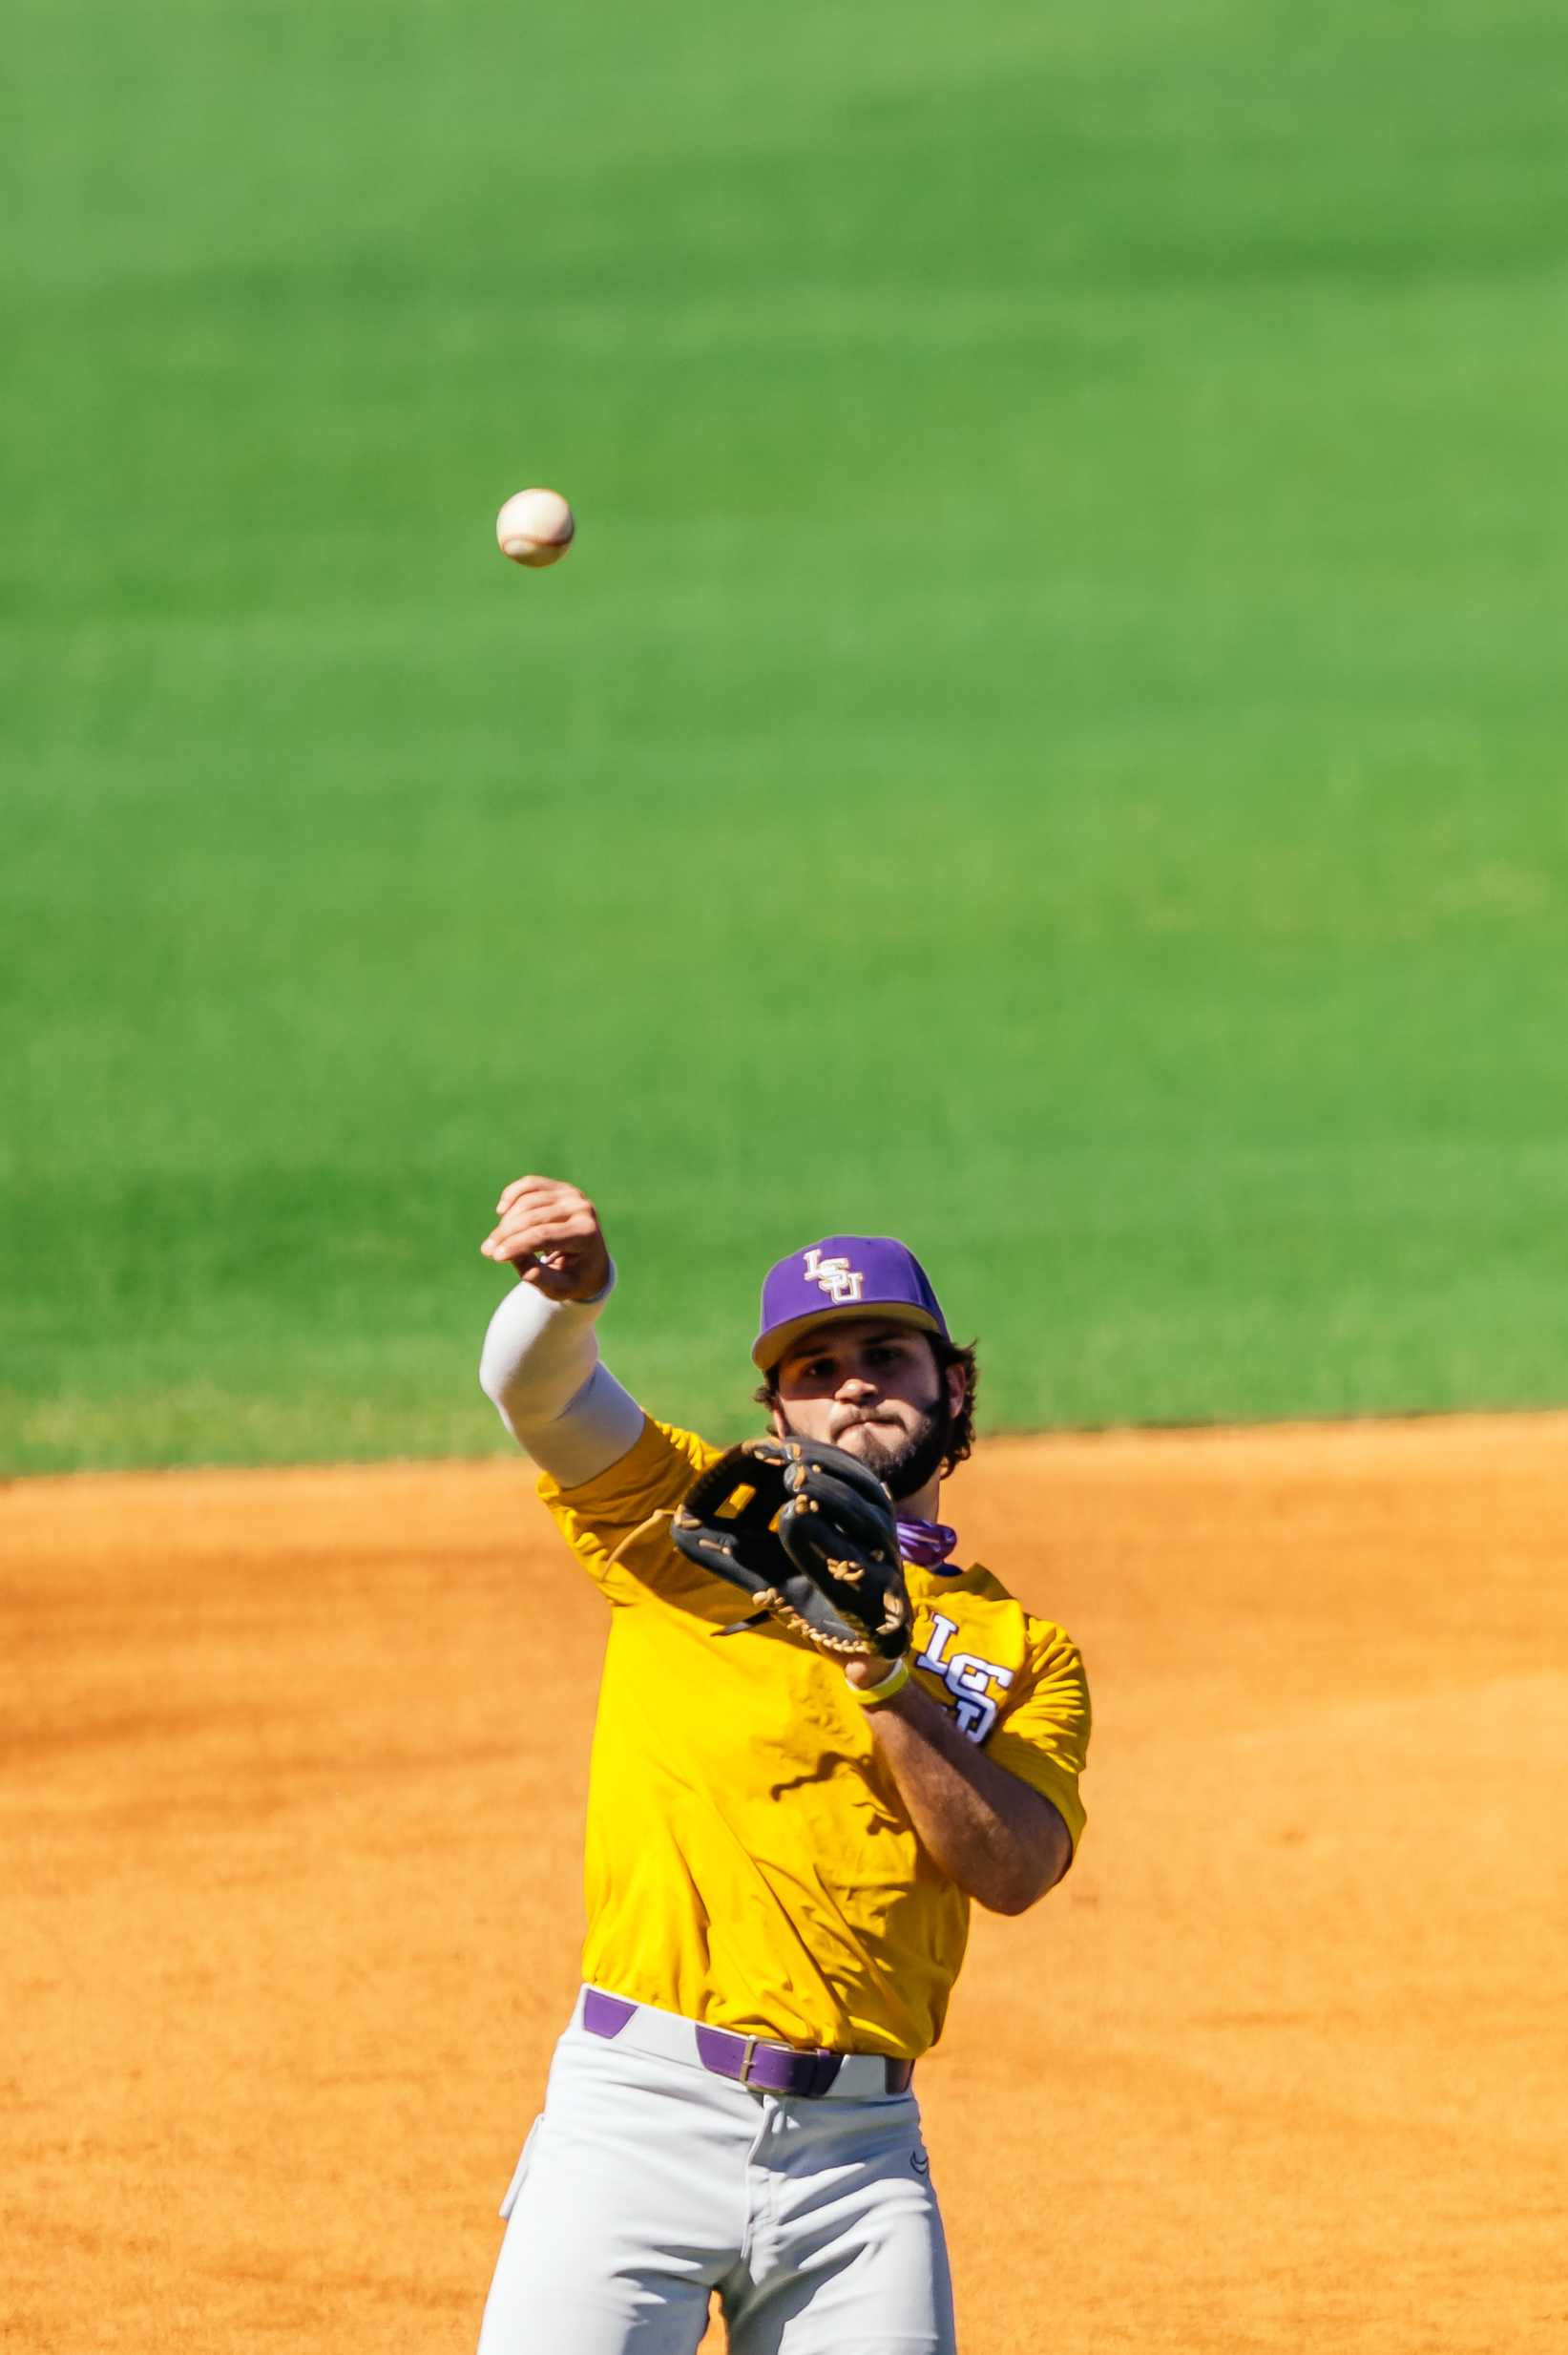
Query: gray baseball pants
{"x": 648, "y": 2182}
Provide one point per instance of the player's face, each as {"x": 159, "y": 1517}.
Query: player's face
{"x": 874, "y": 1389}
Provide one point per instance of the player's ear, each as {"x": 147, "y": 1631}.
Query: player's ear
{"x": 958, "y": 1383}
{"x": 766, "y": 1394}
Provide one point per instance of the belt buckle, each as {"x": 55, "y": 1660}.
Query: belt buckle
{"x": 747, "y": 2056}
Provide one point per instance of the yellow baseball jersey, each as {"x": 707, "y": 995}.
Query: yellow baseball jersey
{"x": 749, "y": 1860}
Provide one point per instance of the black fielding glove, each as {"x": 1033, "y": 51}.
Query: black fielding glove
{"x": 810, "y": 1535}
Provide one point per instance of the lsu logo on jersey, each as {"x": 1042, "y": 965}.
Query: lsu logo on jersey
{"x": 968, "y": 1677}
{"x": 836, "y": 1277}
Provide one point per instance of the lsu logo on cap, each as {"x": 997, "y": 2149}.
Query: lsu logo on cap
{"x": 836, "y": 1277}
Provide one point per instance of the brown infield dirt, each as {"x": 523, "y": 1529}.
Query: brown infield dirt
{"x": 292, "y": 1806}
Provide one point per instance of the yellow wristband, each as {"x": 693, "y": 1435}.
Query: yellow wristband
{"x": 872, "y": 1696}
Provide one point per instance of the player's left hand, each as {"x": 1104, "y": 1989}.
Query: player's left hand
{"x": 810, "y": 1535}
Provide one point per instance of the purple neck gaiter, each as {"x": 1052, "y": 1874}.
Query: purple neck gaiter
{"x": 929, "y": 1542}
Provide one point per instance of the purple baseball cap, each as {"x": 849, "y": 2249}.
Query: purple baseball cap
{"x": 843, "y": 1275}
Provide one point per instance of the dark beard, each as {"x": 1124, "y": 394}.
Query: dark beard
{"x": 904, "y": 1470}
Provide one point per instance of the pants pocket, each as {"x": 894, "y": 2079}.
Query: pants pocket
{"x": 520, "y": 2171}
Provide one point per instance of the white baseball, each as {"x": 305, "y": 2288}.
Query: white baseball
{"x": 536, "y": 527}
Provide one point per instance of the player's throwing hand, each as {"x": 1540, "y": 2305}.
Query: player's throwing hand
{"x": 551, "y": 1233}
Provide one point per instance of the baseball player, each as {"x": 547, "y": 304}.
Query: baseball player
{"x": 783, "y": 1845}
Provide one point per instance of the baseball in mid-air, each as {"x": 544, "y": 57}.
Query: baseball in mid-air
{"x": 536, "y": 527}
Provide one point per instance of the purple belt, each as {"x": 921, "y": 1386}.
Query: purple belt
{"x": 766, "y": 2068}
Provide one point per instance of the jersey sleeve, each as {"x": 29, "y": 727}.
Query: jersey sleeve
{"x": 617, "y": 1523}
{"x": 1044, "y": 1735}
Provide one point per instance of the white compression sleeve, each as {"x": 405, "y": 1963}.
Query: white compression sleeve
{"x": 540, "y": 1365}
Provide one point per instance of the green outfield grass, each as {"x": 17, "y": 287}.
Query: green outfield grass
{"x": 1051, "y": 740}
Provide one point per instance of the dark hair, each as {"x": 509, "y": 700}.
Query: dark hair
{"x": 948, "y": 1355}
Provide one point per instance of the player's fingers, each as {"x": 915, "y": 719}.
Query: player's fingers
{"x": 554, "y": 1218}
{"x": 503, "y": 1252}
{"x": 524, "y": 1188}
{"x": 527, "y": 1210}
{"x": 545, "y": 1196}
{"x": 535, "y": 1227}
{"x": 569, "y": 1234}
{"x": 507, "y": 1242}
